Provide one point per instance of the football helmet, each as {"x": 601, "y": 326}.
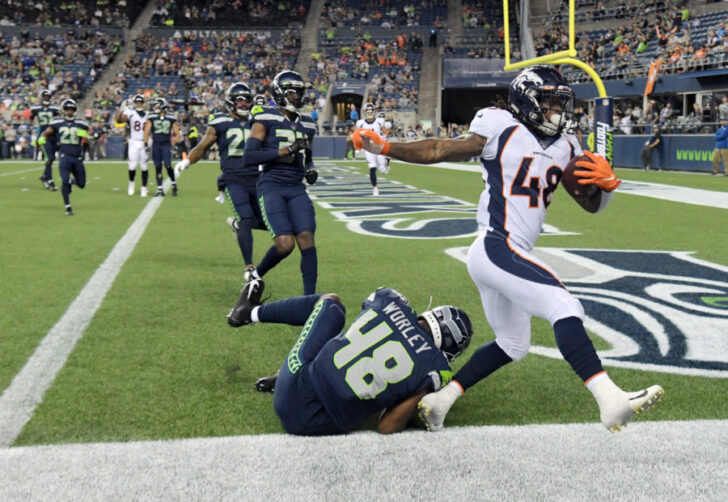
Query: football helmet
{"x": 288, "y": 90}
{"x": 69, "y": 105}
{"x": 45, "y": 97}
{"x": 451, "y": 329}
{"x": 138, "y": 102}
{"x": 239, "y": 99}
{"x": 160, "y": 105}
{"x": 369, "y": 113}
{"x": 380, "y": 115}
{"x": 535, "y": 91}
{"x": 260, "y": 100}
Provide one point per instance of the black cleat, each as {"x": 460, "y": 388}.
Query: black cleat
{"x": 266, "y": 384}
{"x": 160, "y": 192}
{"x": 249, "y": 297}
{"x": 69, "y": 211}
{"x": 44, "y": 180}
{"x": 174, "y": 190}
{"x": 52, "y": 186}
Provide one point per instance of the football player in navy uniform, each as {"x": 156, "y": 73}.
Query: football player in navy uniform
{"x": 523, "y": 151}
{"x": 280, "y": 140}
{"x": 333, "y": 380}
{"x": 164, "y": 129}
{"x": 45, "y": 113}
{"x": 230, "y": 130}
{"x": 71, "y": 134}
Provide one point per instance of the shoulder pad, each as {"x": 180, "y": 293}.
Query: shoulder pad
{"x": 256, "y": 109}
{"x": 81, "y": 122}
{"x": 219, "y": 119}
{"x": 56, "y": 121}
{"x": 268, "y": 115}
{"x": 152, "y": 116}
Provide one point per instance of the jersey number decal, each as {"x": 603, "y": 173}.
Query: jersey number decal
{"x": 162, "y": 126}
{"x": 369, "y": 376}
{"x": 234, "y": 148}
{"x": 532, "y": 190}
{"x": 68, "y": 135}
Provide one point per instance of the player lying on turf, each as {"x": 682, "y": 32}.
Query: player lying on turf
{"x": 333, "y": 380}
{"x": 523, "y": 152}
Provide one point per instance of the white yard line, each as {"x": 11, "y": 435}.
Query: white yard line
{"x": 19, "y": 400}
{"x": 21, "y": 172}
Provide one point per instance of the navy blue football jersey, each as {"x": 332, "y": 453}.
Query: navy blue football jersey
{"x": 232, "y": 134}
{"x": 44, "y": 114}
{"x": 280, "y": 133}
{"x": 383, "y": 358}
{"x": 161, "y": 127}
{"x": 69, "y": 134}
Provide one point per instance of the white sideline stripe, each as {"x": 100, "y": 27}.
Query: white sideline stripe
{"x": 21, "y": 172}
{"x": 19, "y": 400}
{"x": 647, "y": 461}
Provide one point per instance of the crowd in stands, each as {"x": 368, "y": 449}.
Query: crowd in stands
{"x": 96, "y": 13}
{"x": 221, "y": 13}
{"x": 383, "y": 13}
{"x": 630, "y": 117}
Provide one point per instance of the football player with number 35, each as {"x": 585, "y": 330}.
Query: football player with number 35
{"x": 523, "y": 152}
{"x": 333, "y": 380}
{"x": 230, "y": 130}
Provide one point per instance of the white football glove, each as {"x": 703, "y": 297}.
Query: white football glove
{"x": 181, "y": 166}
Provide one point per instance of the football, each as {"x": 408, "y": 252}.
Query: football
{"x": 585, "y": 195}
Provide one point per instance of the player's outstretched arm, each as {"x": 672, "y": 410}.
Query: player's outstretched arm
{"x": 425, "y": 151}
{"x": 395, "y": 419}
{"x": 198, "y": 151}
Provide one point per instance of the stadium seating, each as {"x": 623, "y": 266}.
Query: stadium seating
{"x": 238, "y": 13}
{"x": 385, "y": 14}
{"x": 121, "y": 13}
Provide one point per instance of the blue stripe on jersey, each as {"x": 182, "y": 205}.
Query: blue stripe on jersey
{"x": 505, "y": 257}
{"x": 497, "y": 203}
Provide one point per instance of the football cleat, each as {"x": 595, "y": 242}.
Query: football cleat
{"x": 249, "y": 297}
{"x": 159, "y": 192}
{"x": 52, "y": 186}
{"x": 375, "y": 192}
{"x": 44, "y": 180}
{"x": 615, "y": 418}
{"x": 130, "y": 190}
{"x": 266, "y": 384}
{"x": 251, "y": 274}
{"x": 174, "y": 190}
{"x": 233, "y": 223}
{"x": 69, "y": 211}
{"x": 144, "y": 191}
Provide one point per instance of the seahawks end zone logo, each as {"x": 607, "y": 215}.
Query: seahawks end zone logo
{"x": 659, "y": 311}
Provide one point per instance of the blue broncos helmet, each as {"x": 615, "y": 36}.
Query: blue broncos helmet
{"x": 537, "y": 89}
{"x": 288, "y": 90}
{"x": 239, "y": 99}
{"x": 451, "y": 329}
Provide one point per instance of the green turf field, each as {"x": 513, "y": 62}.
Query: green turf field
{"x": 159, "y": 361}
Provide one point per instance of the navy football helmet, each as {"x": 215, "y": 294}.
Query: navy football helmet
{"x": 451, "y": 329}
{"x": 160, "y": 105}
{"x": 260, "y": 100}
{"x": 239, "y": 99}
{"x": 67, "y": 106}
{"x": 138, "y": 103}
{"x": 535, "y": 91}
{"x": 288, "y": 90}
{"x": 45, "y": 97}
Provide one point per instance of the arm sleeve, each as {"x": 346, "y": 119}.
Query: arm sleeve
{"x": 255, "y": 154}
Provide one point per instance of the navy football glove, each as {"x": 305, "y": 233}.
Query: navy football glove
{"x": 298, "y": 145}
{"x": 311, "y": 176}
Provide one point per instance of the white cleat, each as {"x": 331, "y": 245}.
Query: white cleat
{"x": 615, "y": 418}
{"x": 233, "y": 224}
{"x": 130, "y": 190}
{"x": 375, "y": 192}
{"x": 251, "y": 274}
{"x": 432, "y": 410}
{"x": 144, "y": 191}
{"x": 220, "y": 198}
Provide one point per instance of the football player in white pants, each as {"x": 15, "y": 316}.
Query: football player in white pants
{"x": 376, "y": 162}
{"x": 136, "y": 118}
{"x": 523, "y": 152}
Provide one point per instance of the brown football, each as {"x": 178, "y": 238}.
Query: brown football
{"x": 585, "y": 195}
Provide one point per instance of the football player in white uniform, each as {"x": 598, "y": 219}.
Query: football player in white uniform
{"x": 376, "y": 162}
{"x": 136, "y": 118}
{"x": 523, "y": 152}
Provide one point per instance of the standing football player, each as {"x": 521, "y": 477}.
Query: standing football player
{"x": 280, "y": 139}
{"x": 71, "y": 135}
{"x": 164, "y": 129}
{"x": 45, "y": 113}
{"x": 136, "y": 118}
{"x": 333, "y": 380}
{"x": 523, "y": 153}
{"x": 230, "y": 130}
{"x": 375, "y": 162}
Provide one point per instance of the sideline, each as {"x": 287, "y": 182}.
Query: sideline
{"x": 19, "y": 400}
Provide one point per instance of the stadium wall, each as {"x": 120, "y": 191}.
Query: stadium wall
{"x": 677, "y": 152}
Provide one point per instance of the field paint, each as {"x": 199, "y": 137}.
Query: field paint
{"x": 647, "y": 461}
{"x": 19, "y": 400}
{"x": 21, "y": 172}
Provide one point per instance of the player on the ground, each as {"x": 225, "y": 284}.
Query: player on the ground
{"x": 523, "y": 153}
{"x": 280, "y": 139}
{"x": 333, "y": 380}
{"x": 136, "y": 118}
{"x": 71, "y": 134}
{"x": 45, "y": 113}
{"x": 164, "y": 129}
{"x": 375, "y": 162}
{"x": 230, "y": 130}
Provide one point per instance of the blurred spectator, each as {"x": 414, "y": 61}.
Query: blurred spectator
{"x": 721, "y": 147}
{"x": 652, "y": 145}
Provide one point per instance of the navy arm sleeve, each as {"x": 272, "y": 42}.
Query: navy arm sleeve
{"x": 256, "y": 155}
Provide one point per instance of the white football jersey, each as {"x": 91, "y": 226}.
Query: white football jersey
{"x": 520, "y": 175}
{"x": 136, "y": 124}
{"x": 377, "y": 125}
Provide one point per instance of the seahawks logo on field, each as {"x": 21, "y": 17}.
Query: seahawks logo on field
{"x": 659, "y": 311}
